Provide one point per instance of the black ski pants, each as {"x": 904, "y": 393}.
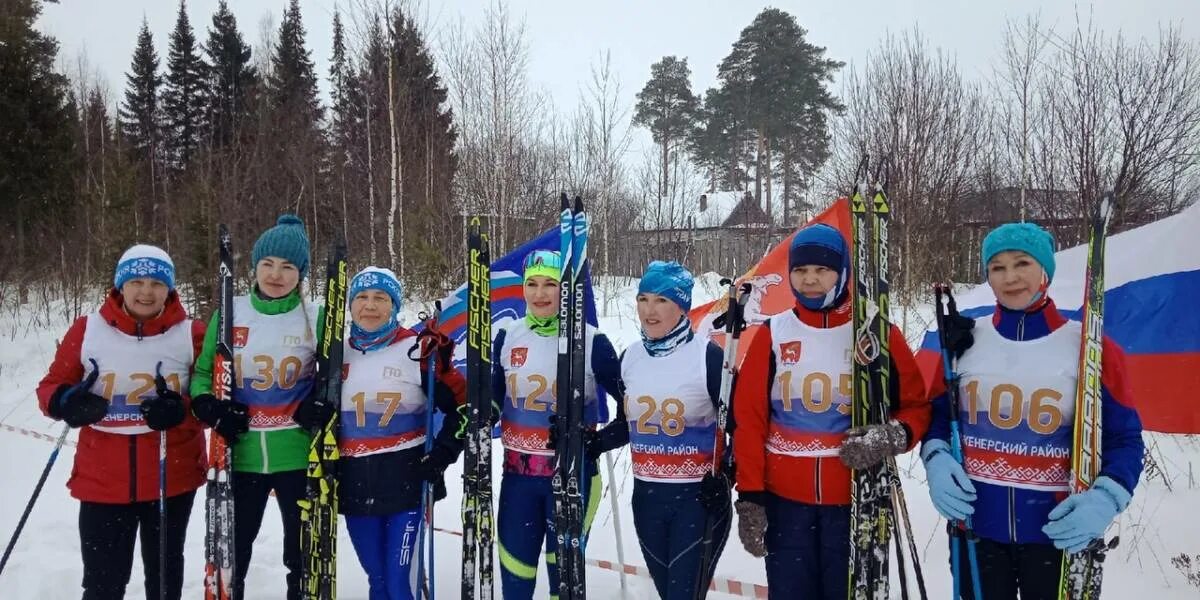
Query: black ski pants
{"x": 250, "y": 494}
{"x": 107, "y": 533}
{"x": 1006, "y": 571}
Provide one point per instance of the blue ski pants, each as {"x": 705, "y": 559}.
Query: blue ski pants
{"x": 808, "y": 550}
{"x": 671, "y": 525}
{"x": 526, "y": 518}
{"x": 386, "y": 548}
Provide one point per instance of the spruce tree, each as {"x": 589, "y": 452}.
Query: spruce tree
{"x": 184, "y": 96}
{"x": 36, "y": 128}
{"x": 139, "y": 114}
{"x": 293, "y": 81}
{"x": 231, "y": 77}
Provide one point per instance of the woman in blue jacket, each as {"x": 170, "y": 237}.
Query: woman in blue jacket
{"x": 1019, "y": 371}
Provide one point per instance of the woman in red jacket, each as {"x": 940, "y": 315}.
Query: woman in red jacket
{"x": 103, "y": 380}
{"x": 791, "y": 445}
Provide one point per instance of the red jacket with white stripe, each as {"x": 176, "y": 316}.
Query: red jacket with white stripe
{"x": 114, "y": 468}
{"x": 812, "y": 480}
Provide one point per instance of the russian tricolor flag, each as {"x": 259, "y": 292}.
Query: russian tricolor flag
{"x": 1152, "y": 283}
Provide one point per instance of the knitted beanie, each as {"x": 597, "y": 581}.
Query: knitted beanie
{"x": 144, "y": 260}
{"x": 286, "y": 240}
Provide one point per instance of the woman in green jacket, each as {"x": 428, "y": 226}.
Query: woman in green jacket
{"x": 274, "y": 346}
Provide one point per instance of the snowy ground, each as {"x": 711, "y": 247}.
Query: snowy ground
{"x": 46, "y": 565}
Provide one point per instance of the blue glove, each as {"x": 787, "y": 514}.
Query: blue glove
{"x": 949, "y": 487}
{"x": 1083, "y": 517}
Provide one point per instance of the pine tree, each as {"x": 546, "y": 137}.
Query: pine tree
{"x": 36, "y": 126}
{"x": 778, "y": 79}
{"x": 668, "y": 108}
{"x": 231, "y": 77}
{"x": 139, "y": 114}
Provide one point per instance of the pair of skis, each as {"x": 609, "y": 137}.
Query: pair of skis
{"x": 878, "y": 508}
{"x": 218, "y": 513}
{"x": 569, "y": 482}
{"x": 318, "y": 510}
{"x": 1082, "y": 573}
{"x": 477, "y": 518}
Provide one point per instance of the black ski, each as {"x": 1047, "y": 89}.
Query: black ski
{"x": 569, "y": 481}
{"x": 318, "y": 511}
{"x": 477, "y": 468}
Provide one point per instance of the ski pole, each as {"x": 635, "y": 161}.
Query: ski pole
{"x": 160, "y": 386}
{"x": 616, "y": 512}
{"x": 37, "y": 490}
{"x": 733, "y": 322}
{"x": 950, "y": 373}
{"x": 426, "y": 524}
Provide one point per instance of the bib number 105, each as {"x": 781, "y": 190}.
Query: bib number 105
{"x": 816, "y": 392}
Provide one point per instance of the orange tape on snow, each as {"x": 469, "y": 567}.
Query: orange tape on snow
{"x": 733, "y": 587}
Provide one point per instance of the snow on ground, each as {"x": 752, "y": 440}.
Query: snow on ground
{"x": 45, "y": 565}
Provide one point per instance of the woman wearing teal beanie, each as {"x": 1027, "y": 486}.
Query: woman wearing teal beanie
{"x": 1019, "y": 369}
{"x": 274, "y": 364}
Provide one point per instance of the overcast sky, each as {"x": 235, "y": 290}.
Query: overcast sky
{"x": 565, "y": 38}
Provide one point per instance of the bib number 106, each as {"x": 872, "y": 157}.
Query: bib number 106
{"x": 1042, "y": 411}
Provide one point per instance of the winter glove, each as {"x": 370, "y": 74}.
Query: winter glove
{"x": 1083, "y": 517}
{"x": 868, "y": 446}
{"x": 315, "y": 411}
{"x": 714, "y": 493}
{"x": 229, "y": 418}
{"x": 591, "y": 446}
{"x": 432, "y": 465}
{"x": 165, "y": 409}
{"x": 958, "y": 337}
{"x": 949, "y": 487}
{"x": 76, "y": 404}
{"x": 752, "y": 522}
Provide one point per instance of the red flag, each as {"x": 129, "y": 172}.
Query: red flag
{"x": 770, "y": 291}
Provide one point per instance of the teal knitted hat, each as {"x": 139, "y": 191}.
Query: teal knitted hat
{"x": 1025, "y": 237}
{"x": 287, "y": 240}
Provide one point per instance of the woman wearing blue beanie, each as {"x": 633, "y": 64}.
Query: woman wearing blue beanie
{"x": 1019, "y": 368}
{"x": 274, "y": 363}
{"x": 670, "y": 417}
{"x": 524, "y": 378}
{"x": 793, "y": 445}
{"x": 381, "y": 430}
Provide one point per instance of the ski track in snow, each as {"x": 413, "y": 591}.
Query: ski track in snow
{"x": 45, "y": 564}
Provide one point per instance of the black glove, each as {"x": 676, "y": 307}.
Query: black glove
{"x": 229, "y": 418}
{"x": 958, "y": 337}
{"x": 165, "y": 409}
{"x": 76, "y": 404}
{"x": 314, "y": 411}
{"x": 591, "y": 447}
{"x": 432, "y": 465}
{"x": 714, "y": 493}
{"x": 439, "y": 488}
